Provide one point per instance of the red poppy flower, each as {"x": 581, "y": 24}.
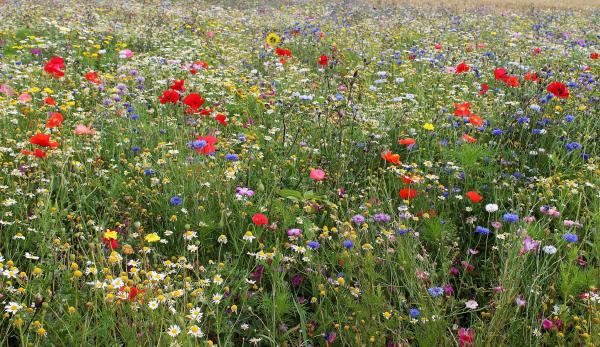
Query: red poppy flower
{"x": 476, "y": 120}
{"x": 594, "y": 55}
{"x": 39, "y": 153}
{"x": 55, "y": 120}
{"x": 474, "y": 196}
{"x": 462, "y": 109}
{"x": 201, "y": 64}
{"x": 407, "y": 141}
{"x": 537, "y": 51}
{"x": 469, "y": 138}
{"x": 209, "y": 148}
{"x": 194, "y": 101}
{"x": 92, "y": 77}
{"x": 206, "y": 112}
{"x": 408, "y": 193}
{"x": 43, "y": 140}
{"x": 512, "y": 81}
{"x": 531, "y": 77}
{"x": 260, "y": 219}
{"x": 407, "y": 180}
{"x": 221, "y": 118}
{"x": 500, "y": 73}
{"x": 111, "y": 243}
{"x": 462, "y": 67}
{"x": 558, "y": 89}
{"x": 390, "y": 157}
{"x": 169, "y": 97}
{"x": 283, "y": 52}
{"x": 50, "y": 101}
{"x": 178, "y": 85}
{"x": 54, "y": 67}
{"x": 437, "y": 46}
{"x": 323, "y": 60}
{"x": 484, "y": 89}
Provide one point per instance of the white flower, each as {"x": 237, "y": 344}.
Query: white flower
{"x": 13, "y": 307}
{"x": 549, "y": 249}
{"x": 153, "y": 304}
{"x": 217, "y": 298}
{"x": 174, "y": 330}
{"x": 196, "y": 314}
{"x": 491, "y": 208}
{"x": 471, "y": 304}
{"x": 195, "y": 331}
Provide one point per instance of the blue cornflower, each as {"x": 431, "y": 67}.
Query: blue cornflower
{"x": 570, "y": 237}
{"x": 176, "y": 200}
{"x": 414, "y": 313}
{"x": 135, "y": 149}
{"x": 314, "y": 245}
{"x": 232, "y": 157}
{"x": 569, "y": 118}
{"x": 497, "y": 132}
{"x": 571, "y": 146}
{"x": 149, "y": 172}
{"x": 435, "y": 291}
{"x": 348, "y": 244}
{"x": 481, "y": 230}
{"x": 510, "y": 217}
{"x": 197, "y": 144}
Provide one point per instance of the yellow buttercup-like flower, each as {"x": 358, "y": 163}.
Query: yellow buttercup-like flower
{"x": 153, "y": 237}
{"x": 272, "y": 39}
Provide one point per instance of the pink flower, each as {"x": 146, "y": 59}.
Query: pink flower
{"x": 81, "y": 129}
{"x": 25, "y": 98}
{"x": 466, "y": 337}
{"x": 520, "y": 301}
{"x": 317, "y": 174}
{"x": 450, "y": 69}
{"x": 126, "y": 53}
{"x": 547, "y": 324}
{"x": 6, "y": 89}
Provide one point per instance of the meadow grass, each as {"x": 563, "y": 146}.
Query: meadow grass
{"x": 298, "y": 174}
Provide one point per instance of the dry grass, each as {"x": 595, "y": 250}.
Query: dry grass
{"x": 497, "y": 4}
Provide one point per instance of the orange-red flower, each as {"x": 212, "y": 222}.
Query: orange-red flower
{"x": 55, "y": 120}
{"x": 43, "y": 140}
{"x": 54, "y": 67}
{"x": 408, "y": 193}
{"x": 469, "y": 138}
{"x": 462, "y": 110}
{"x": 92, "y": 77}
{"x": 474, "y": 196}
{"x": 407, "y": 141}
{"x": 390, "y": 157}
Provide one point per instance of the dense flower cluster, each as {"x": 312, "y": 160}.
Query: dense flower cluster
{"x": 185, "y": 174}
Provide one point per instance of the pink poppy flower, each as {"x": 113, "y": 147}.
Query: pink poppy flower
{"x": 317, "y": 174}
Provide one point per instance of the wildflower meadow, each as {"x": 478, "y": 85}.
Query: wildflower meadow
{"x": 298, "y": 173}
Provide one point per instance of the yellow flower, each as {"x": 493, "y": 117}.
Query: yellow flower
{"x": 272, "y": 39}
{"x": 428, "y": 126}
{"x": 153, "y": 237}
{"x": 110, "y": 234}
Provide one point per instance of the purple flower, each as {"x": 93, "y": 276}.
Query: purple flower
{"x": 382, "y": 218}
{"x": 528, "y": 245}
{"x": 358, "y": 219}
{"x": 570, "y": 237}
